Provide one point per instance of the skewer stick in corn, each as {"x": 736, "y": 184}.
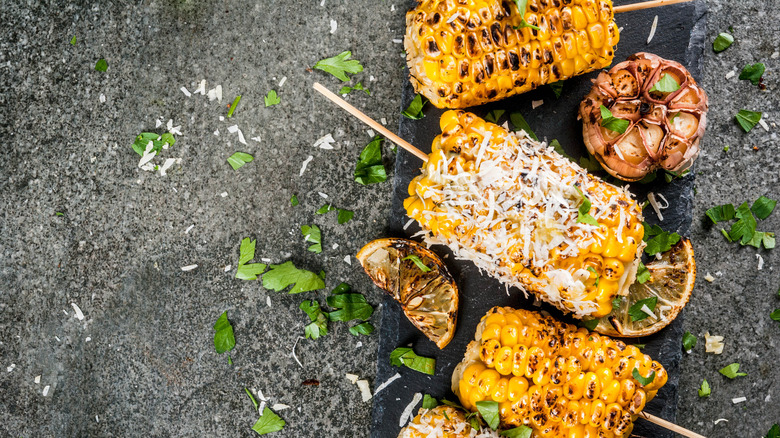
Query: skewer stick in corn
{"x": 646, "y": 5}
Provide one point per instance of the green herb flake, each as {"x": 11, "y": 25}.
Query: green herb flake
{"x": 556, "y": 145}
{"x": 590, "y": 163}
{"x": 732, "y": 371}
{"x": 238, "y": 159}
{"x": 704, "y": 391}
{"x": 344, "y": 216}
{"x": 667, "y": 84}
{"x": 251, "y": 397}
{"x": 294, "y": 200}
{"x": 268, "y": 422}
{"x": 350, "y": 306}
{"x": 673, "y": 116}
{"x": 340, "y": 65}
{"x": 557, "y": 88}
{"x": 688, "y": 341}
{"x": 101, "y": 65}
{"x": 774, "y": 432}
{"x": 489, "y": 412}
{"x": 407, "y": 357}
{"x": 415, "y": 109}
{"x": 635, "y": 311}
{"x": 279, "y": 277}
{"x": 224, "y": 340}
{"x": 617, "y": 301}
{"x": 494, "y": 115}
{"x": 233, "y": 106}
{"x": 589, "y": 324}
{"x": 318, "y": 325}
{"x": 429, "y": 402}
{"x": 59, "y": 213}
{"x": 744, "y": 229}
{"x": 369, "y": 168}
{"x": 747, "y": 119}
{"x": 726, "y": 148}
{"x": 248, "y": 271}
{"x": 364, "y": 328}
{"x": 722, "y": 42}
{"x": 642, "y": 274}
{"x": 417, "y": 262}
{"x": 73, "y": 41}
{"x": 583, "y": 212}
{"x": 721, "y": 213}
{"x": 358, "y": 87}
{"x": 753, "y": 73}
{"x": 775, "y": 315}
{"x": 271, "y": 99}
{"x": 644, "y": 381}
{"x": 312, "y": 234}
{"x": 518, "y": 121}
{"x": 658, "y": 240}
{"x": 518, "y": 432}
{"x": 521, "y": 5}
{"x": 157, "y": 141}
{"x": 613, "y": 123}
{"x": 763, "y": 207}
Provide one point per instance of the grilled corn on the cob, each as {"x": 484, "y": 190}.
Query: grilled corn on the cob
{"x": 553, "y": 377}
{"x": 512, "y": 206}
{"x": 463, "y": 53}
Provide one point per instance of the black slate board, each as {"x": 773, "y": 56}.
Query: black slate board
{"x": 679, "y": 36}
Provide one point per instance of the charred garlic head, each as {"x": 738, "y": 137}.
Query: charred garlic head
{"x": 646, "y": 113}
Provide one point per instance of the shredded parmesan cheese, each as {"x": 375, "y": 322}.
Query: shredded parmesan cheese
{"x": 45, "y": 390}
{"x": 333, "y": 26}
{"x": 536, "y": 103}
{"x": 713, "y": 344}
{"x": 293, "y": 350}
{"x": 731, "y": 74}
{"x": 185, "y": 91}
{"x": 188, "y": 268}
{"x": 279, "y": 407}
{"x": 760, "y": 262}
{"x": 79, "y": 315}
{"x": 720, "y": 420}
{"x": 709, "y": 277}
{"x": 365, "y": 390}
{"x": 652, "y": 29}
{"x": 406, "y": 414}
{"x": 325, "y": 142}
{"x": 304, "y": 164}
{"x": 651, "y": 198}
{"x": 738, "y": 400}
{"x": 387, "y": 383}
{"x": 353, "y": 378}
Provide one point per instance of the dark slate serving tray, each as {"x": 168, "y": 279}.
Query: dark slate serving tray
{"x": 679, "y": 36}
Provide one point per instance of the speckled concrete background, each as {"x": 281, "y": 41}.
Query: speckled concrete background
{"x": 141, "y": 362}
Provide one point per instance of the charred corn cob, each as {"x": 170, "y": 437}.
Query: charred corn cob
{"x": 463, "y": 53}
{"x": 512, "y": 206}
{"x": 553, "y": 377}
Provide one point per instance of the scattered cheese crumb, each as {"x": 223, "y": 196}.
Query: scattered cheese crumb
{"x": 371, "y": 78}
{"x": 720, "y": 420}
{"x": 383, "y": 120}
{"x": 648, "y": 311}
{"x": 348, "y": 260}
{"x": 365, "y": 390}
{"x": 167, "y": 165}
{"x": 305, "y": 163}
{"x": 370, "y": 132}
{"x": 323, "y": 195}
{"x": 185, "y": 91}
{"x": 651, "y": 198}
{"x": 652, "y": 29}
{"x": 227, "y": 268}
{"x": 763, "y": 124}
{"x": 88, "y": 339}
{"x": 279, "y": 407}
{"x": 45, "y": 390}
{"x": 397, "y": 41}
{"x": 731, "y": 74}
{"x": 11, "y": 367}
{"x": 325, "y": 142}
{"x": 760, "y": 262}
{"x": 713, "y": 344}
{"x": 409, "y": 408}
{"x": 76, "y": 309}
{"x": 333, "y": 26}
{"x": 188, "y": 268}
{"x": 202, "y": 88}
{"x": 293, "y": 350}
{"x": 536, "y": 103}
{"x": 775, "y": 55}
{"x": 409, "y": 222}
{"x": 37, "y": 379}
{"x": 335, "y": 245}
{"x": 719, "y": 274}
{"x": 102, "y": 98}
{"x": 257, "y": 139}
{"x": 187, "y": 231}
{"x": 268, "y": 301}
{"x": 281, "y": 82}
{"x": 709, "y": 277}
{"x": 353, "y": 378}
{"x": 216, "y": 132}
{"x": 387, "y": 383}
{"x": 738, "y": 400}
{"x": 223, "y": 194}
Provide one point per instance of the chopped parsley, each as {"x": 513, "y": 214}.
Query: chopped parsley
{"x": 590, "y": 163}
{"x": 617, "y": 301}
{"x": 613, "y": 123}
{"x": 732, "y": 371}
{"x": 268, "y": 422}
{"x": 763, "y": 207}
{"x": 233, "y": 106}
{"x": 417, "y": 262}
{"x": 666, "y": 84}
{"x": 747, "y": 119}
{"x": 407, "y": 357}
{"x": 744, "y": 230}
{"x": 489, "y": 412}
{"x": 279, "y": 277}
{"x": 294, "y": 200}
{"x": 642, "y": 273}
{"x": 158, "y": 142}
{"x": 556, "y": 145}
{"x": 518, "y": 121}
{"x": 583, "y": 213}
{"x": 429, "y": 402}
{"x": 521, "y": 5}
{"x": 319, "y": 322}
{"x": 350, "y": 306}
{"x": 775, "y": 315}
{"x": 414, "y": 110}
{"x": 494, "y": 115}
{"x": 364, "y": 328}
{"x": 369, "y": 168}
{"x": 644, "y": 381}
{"x": 238, "y": 159}
{"x": 344, "y": 216}
{"x": 557, "y": 88}
{"x": 722, "y": 42}
{"x": 518, "y": 432}
{"x": 271, "y": 99}
{"x": 726, "y": 148}
{"x": 721, "y": 213}
{"x": 590, "y": 269}
{"x": 248, "y": 271}
{"x": 101, "y": 65}
{"x": 73, "y": 41}
{"x": 774, "y": 432}
{"x": 636, "y": 311}
{"x": 340, "y": 65}
{"x": 312, "y": 234}
{"x": 358, "y": 87}
{"x": 688, "y": 341}
{"x": 251, "y": 397}
{"x": 658, "y": 240}
{"x": 589, "y": 324}
{"x": 224, "y": 340}
{"x": 752, "y": 73}
{"x": 704, "y": 391}
{"x": 673, "y": 116}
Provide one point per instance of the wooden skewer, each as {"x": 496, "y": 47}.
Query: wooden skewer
{"x": 646, "y": 5}
{"x": 423, "y": 156}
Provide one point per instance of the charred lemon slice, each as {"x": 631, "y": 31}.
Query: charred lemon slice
{"x": 418, "y": 280}
{"x": 671, "y": 282}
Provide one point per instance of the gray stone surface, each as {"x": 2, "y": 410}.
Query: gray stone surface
{"x": 142, "y": 362}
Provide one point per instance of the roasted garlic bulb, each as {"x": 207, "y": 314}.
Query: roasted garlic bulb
{"x": 646, "y": 113}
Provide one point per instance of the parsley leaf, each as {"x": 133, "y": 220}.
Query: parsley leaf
{"x": 732, "y": 371}
{"x": 268, "y": 422}
{"x": 419, "y": 263}
{"x": 223, "y": 337}
{"x": 364, "y": 328}
{"x": 753, "y": 72}
{"x": 271, "y": 99}
{"x": 557, "y": 88}
{"x": 251, "y": 397}
{"x": 613, "y": 123}
{"x": 369, "y": 168}
{"x": 774, "y": 432}
{"x": 233, "y": 106}
{"x": 658, "y": 240}
{"x": 775, "y": 315}
{"x": 704, "y": 391}
{"x": 521, "y": 5}
{"x": 494, "y": 115}
{"x": 589, "y": 324}
{"x": 407, "y": 357}
{"x": 414, "y": 110}
{"x": 319, "y": 322}
{"x": 590, "y": 163}
{"x": 101, "y": 65}
{"x": 747, "y": 119}
{"x": 358, "y": 87}
{"x": 722, "y": 42}
{"x": 429, "y": 402}
{"x": 518, "y": 121}
{"x": 312, "y": 233}
{"x": 294, "y": 200}
{"x": 279, "y": 277}
{"x": 238, "y": 159}
{"x": 73, "y": 41}
{"x": 556, "y": 145}
{"x": 666, "y": 84}
{"x": 350, "y": 306}
{"x": 590, "y": 269}
{"x": 642, "y": 273}
{"x": 583, "y": 213}
{"x": 763, "y": 207}
{"x": 246, "y": 253}
{"x": 644, "y": 381}
{"x": 158, "y": 142}
{"x": 688, "y": 341}
{"x": 489, "y": 412}
{"x": 340, "y": 65}
{"x": 721, "y": 213}
{"x": 745, "y": 227}
{"x": 518, "y": 432}
{"x": 344, "y": 216}
{"x": 636, "y": 312}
